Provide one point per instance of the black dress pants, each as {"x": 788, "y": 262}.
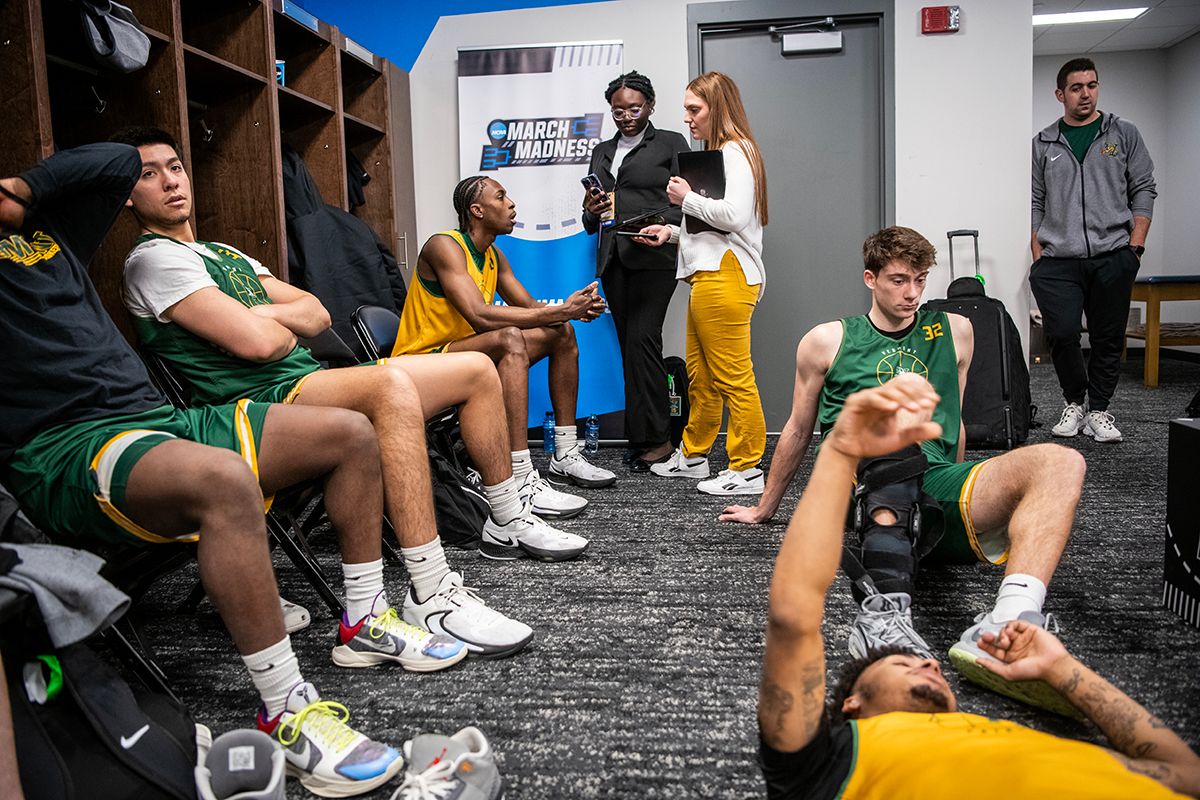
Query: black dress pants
{"x": 638, "y": 299}
{"x": 1068, "y": 288}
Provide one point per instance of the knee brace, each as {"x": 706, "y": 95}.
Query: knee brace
{"x": 890, "y": 553}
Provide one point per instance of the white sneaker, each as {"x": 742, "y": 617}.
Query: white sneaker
{"x": 1071, "y": 421}
{"x": 528, "y": 537}
{"x": 295, "y": 617}
{"x": 732, "y": 481}
{"x": 457, "y": 611}
{"x": 549, "y": 502}
{"x": 677, "y": 466}
{"x": 1100, "y": 426}
{"x": 572, "y": 467}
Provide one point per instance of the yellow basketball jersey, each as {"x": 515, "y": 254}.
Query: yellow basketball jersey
{"x": 965, "y": 755}
{"x": 429, "y": 322}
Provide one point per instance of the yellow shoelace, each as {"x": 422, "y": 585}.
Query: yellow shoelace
{"x": 390, "y": 622}
{"x": 326, "y": 722}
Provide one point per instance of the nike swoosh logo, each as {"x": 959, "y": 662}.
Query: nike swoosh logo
{"x": 390, "y": 649}
{"x": 129, "y": 741}
{"x": 505, "y": 542}
{"x": 1055, "y": 158}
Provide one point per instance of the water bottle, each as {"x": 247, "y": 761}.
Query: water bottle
{"x": 591, "y": 435}
{"x": 548, "y": 433}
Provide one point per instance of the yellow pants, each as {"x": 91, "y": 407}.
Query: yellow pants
{"x": 720, "y": 370}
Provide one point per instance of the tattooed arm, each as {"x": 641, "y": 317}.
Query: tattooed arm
{"x": 1145, "y": 744}
{"x": 791, "y": 698}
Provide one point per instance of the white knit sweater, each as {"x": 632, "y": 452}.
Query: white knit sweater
{"x": 736, "y": 212}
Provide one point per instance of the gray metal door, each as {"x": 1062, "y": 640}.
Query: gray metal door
{"x": 819, "y": 121}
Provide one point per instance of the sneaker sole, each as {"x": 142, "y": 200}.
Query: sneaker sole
{"x": 683, "y": 474}
{"x": 1064, "y": 435}
{"x": 1034, "y": 693}
{"x": 501, "y": 552}
{"x": 570, "y": 480}
{"x": 344, "y": 656}
{"x": 325, "y": 787}
{"x": 729, "y": 493}
{"x": 553, "y": 513}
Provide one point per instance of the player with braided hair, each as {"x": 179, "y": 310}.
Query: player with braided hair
{"x": 450, "y": 309}
{"x": 633, "y": 168}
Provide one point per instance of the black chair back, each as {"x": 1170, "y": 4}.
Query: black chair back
{"x": 376, "y": 328}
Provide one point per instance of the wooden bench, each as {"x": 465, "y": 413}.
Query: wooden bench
{"x": 1153, "y": 290}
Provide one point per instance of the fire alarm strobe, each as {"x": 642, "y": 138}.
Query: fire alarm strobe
{"x": 940, "y": 19}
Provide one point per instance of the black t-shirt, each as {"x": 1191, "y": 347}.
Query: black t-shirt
{"x": 64, "y": 359}
{"x": 817, "y": 771}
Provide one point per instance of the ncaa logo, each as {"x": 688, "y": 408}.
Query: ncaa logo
{"x": 497, "y": 130}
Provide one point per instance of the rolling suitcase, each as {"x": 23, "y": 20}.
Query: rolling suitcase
{"x": 996, "y": 408}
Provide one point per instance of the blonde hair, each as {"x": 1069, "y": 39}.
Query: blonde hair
{"x": 727, "y": 123}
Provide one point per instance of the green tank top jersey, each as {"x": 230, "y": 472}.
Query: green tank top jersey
{"x": 867, "y": 358}
{"x": 216, "y": 376}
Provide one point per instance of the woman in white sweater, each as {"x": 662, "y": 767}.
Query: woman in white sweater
{"x": 725, "y": 270}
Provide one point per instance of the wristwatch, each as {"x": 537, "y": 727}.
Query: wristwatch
{"x": 1138, "y": 250}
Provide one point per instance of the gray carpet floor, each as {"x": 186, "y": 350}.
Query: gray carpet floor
{"x": 642, "y": 679}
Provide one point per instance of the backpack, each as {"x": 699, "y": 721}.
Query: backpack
{"x": 98, "y": 737}
{"x": 458, "y": 503}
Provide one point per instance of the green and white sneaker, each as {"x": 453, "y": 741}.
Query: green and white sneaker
{"x": 330, "y": 758}
{"x": 458, "y": 767}
{"x": 966, "y": 653}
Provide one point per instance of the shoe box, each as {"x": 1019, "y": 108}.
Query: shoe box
{"x": 1181, "y": 563}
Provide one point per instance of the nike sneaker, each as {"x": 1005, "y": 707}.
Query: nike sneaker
{"x": 295, "y": 617}
{"x": 572, "y": 467}
{"x": 732, "y": 481}
{"x": 528, "y": 537}
{"x": 375, "y": 639}
{"x": 330, "y": 758}
{"x": 456, "y": 610}
{"x": 680, "y": 466}
{"x": 461, "y": 767}
{"x": 1071, "y": 422}
{"x": 548, "y": 502}
{"x": 885, "y": 620}
{"x": 242, "y": 765}
{"x": 965, "y": 655}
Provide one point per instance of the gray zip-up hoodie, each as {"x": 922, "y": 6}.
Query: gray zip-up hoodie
{"x": 1086, "y": 209}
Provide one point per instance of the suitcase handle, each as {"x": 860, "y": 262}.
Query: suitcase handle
{"x": 974, "y": 234}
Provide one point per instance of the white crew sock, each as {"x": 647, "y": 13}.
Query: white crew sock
{"x": 274, "y": 672}
{"x": 504, "y": 500}
{"x": 426, "y": 566}
{"x": 364, "y": 588}
{"x": 1018, "y": 593}
{"x": 565, "y": 439}
{"x": 522, "y": 465}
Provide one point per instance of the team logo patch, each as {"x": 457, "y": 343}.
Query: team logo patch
{"x": 40, "y": 248}
{"x": 1110, "y": 149}
{"x": 897, "y": 361}
{"x": 540, "y": 142}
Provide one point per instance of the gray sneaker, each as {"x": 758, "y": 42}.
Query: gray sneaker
{"x": 1071, "y": 421}
{"x": 242, "y": 764}
{"x": 965, "y": 655}
{"x": 885, "y": 620}
{"x": 462, "y": 767}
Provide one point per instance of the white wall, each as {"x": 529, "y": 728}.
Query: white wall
{"x": 1181, "y": 215}
{"x": 962, "y": 121}
{"x": 962, "y": 141}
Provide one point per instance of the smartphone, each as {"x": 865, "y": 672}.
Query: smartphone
{"x": 592, "y": 184}
{"x": 634, "y": 233}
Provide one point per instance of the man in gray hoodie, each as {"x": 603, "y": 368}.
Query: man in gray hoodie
{"x": 1093, "y": 195}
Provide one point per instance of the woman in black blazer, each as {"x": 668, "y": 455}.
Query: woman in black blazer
{"x": 638, "y": 280}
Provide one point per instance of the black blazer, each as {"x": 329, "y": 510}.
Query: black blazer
{"x": 641, "y": 186}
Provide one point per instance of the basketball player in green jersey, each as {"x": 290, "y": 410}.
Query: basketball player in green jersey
{"x": 1015, "y": 509}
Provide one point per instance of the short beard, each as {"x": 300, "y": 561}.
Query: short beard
{"x": 929, "y": 698}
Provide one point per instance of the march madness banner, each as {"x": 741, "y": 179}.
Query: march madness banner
{"x": 529, "y": 117}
